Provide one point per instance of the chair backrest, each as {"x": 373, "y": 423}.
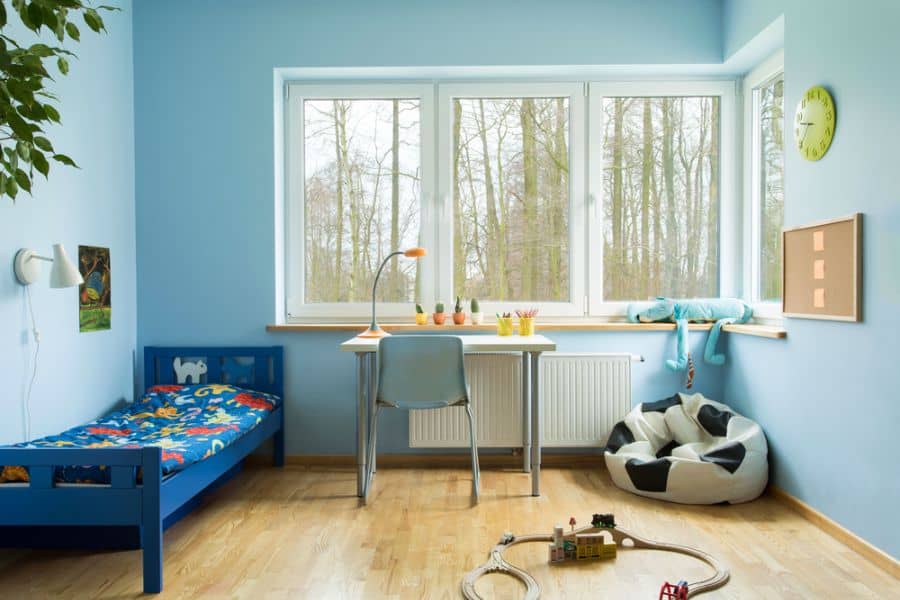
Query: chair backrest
{"x": 421, "y": 371}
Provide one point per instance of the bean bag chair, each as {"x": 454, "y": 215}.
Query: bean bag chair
{"x": 690, "y": 450}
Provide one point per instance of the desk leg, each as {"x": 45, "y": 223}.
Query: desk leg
{"x": 373, "y": 376}
{"x": 535, "y": 424}
{"x": 361, "y": 423}
{"x": 526, "y": 413}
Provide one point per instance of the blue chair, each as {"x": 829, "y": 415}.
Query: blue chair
{"x": 420, "y": 372}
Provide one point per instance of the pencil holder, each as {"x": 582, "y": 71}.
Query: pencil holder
{"x": 504, "y": 326}
{"x": 526, "y": 326}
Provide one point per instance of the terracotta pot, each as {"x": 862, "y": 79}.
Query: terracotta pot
{"x": 459, "y": 318}
{"x": 421, "y": 319}
{"x": 438, "y": 318}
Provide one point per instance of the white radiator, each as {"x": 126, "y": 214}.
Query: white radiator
{"x": 582, "y": 397}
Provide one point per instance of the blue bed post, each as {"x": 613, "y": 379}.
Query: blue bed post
{"x": 278, "y": 444}
{"x": 277, "y": 354}
{"x": 151, "y": 519}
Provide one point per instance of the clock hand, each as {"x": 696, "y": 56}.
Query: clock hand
{"x": 805, "y": 130}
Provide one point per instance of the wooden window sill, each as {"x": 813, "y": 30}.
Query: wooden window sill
{"x": 767, "y": 331}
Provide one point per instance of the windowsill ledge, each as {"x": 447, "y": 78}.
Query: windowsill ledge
{"x": 767, "y": 331}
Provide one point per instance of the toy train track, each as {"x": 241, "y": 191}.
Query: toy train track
{"x": 497, "y": 564}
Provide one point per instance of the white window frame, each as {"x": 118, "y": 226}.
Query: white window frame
{"x": 763, "y": 74}
{"x": 729, "y": 205}
{"x": 295, "y": 234}
{"x": 585, "y": 189}
{"x": 577, "y": 128}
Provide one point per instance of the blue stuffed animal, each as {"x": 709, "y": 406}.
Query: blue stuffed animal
{"x": 722, "y": 311}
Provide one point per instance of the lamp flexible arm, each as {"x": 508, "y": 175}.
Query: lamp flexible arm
{"x": 374, "y": 325}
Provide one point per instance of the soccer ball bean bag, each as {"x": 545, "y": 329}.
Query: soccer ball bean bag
{"x": 690, "y": 450}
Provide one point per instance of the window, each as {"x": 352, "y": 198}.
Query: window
{"x": 511, "y": 198}
{"x": 764, "y": 165}
{"x": 511, "y": 165}
{"x": 572, "y": 198}
{"x": 661, "y": 186}
{"x": 361, "y": 166}
{"x": 771, "y": 185}
{"x": 357, "y": 170}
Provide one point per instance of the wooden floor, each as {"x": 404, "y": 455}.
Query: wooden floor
{"x": 300, "y": 533}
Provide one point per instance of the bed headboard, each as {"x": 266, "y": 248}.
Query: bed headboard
{"x": 259, "y": 368}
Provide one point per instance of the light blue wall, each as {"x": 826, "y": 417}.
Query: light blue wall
{"x": 742, "y": 20}
{"x": 80, "y": 375}
{"x": 828, "y": 394}
{"x": 204, "y": 150}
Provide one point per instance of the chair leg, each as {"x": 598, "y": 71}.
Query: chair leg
{"x": 476, "y": 469}
{"x": 370, "y": 458}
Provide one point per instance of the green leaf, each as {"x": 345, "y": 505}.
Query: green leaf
{"x": 12, "y": 190}
{"x": 23, "y": 151}
{"x": 52, "y": 113}
{"x": 43, "y": 143}
{"x": 2, "y": 24}
{"x": 50, "y": 20}
{"x": 41, "y": 50}
{"x": 23, "y": 180}
{"x": 93, "y": 20}
{"x": 62, "y": 158}
{"x": 36, "y": 16}
{"x": 2, "y": 184}
{"x": 63, "y": 65}
{"x": 12, "y": 159}
{"x": 19, "y": 126}
{"x": 73, "y": 31}
{"x": 40, "y": 162}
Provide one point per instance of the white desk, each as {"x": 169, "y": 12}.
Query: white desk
{"x": 530, "y": 347}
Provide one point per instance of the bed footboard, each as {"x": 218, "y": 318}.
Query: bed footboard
{"x": 123, "y": 502}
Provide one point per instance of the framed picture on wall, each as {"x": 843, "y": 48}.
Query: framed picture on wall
{"x": 95, "y": 294}
{"x": 822, "y": 270}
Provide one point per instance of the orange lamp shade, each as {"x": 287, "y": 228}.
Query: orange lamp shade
{"x": 415, "y": 253}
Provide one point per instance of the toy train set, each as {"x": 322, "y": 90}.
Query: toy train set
{"x": 598, "y": 541}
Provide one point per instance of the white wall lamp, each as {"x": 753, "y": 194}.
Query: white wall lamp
{"x": 63, "y": 273}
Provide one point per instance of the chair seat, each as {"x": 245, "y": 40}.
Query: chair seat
{"x": 427, "y": 404}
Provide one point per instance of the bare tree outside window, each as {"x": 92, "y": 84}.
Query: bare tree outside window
{"x": 661, "y": 191}
{"x": 362, "y": 163}
{"x": 511, "y": 198}
{"x": 771, "y": 190}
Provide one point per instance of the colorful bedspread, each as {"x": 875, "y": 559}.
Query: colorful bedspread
{"x": 189, "y": 423}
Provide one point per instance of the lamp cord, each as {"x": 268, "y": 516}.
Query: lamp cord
{"x": 34, "y": 365}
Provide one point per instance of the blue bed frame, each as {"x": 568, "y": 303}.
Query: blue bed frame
{"x": 158, "y": 500}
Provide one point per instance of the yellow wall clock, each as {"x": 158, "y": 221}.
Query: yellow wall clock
{"x": 814, "y": 123}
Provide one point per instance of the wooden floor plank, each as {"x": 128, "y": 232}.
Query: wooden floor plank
{"x": 300, "y": 532}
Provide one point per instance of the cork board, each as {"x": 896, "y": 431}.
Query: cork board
{"x": 822, "y": 272}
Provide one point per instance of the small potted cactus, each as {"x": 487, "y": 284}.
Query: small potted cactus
{"x": 421, "y": 317}
{"x": 438, "y": 316}
{"x": 476, "y": 315}
{"x": 459, "y": 316}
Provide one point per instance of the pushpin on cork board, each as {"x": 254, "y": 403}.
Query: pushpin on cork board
{"x": 822, "y": 270}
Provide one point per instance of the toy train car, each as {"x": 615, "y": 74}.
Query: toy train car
{"x": 674, "y": 591}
